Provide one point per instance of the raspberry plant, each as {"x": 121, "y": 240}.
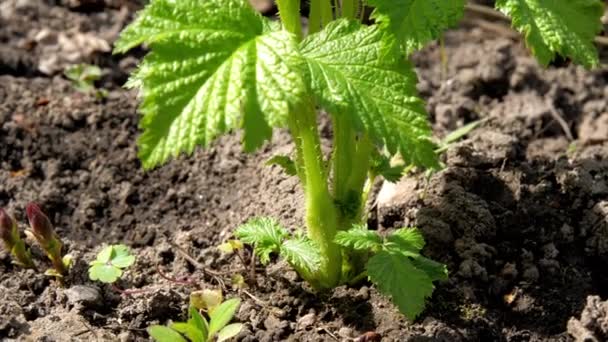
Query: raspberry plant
{"x": 217, "y": 65}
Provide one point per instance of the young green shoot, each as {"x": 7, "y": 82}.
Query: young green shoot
{"x": 9, "y": 233}
{"x": 42, "y": 231}
{"x": 110, "y": 263}
{"x": 216, "y": 66}
{"x": 83, "y": 77}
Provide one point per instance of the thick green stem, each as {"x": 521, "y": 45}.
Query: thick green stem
{"x": 327, "y": 14}
{"x": 350, "y": 163}
{"x": 320, "y": 15}
{"x": 289, "y": 11}
{"x": 350, "y": 8}
{"x": 351, "y": 160}
{"x": 359, "y": 176}
{"x": 342, "y": 157}
{"x": 321, "y": 213}
{"x": 314, "y": 18}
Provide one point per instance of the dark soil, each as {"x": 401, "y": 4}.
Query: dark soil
{"x": 519, "y": 214}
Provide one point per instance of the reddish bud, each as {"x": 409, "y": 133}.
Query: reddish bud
{"x": 40, "y": 223}
{"x": 7, "y": 228}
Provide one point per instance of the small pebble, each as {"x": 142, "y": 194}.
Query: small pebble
{"x": 531, "y": 274}
{"x": 87, "y": 296}
{"x": 306, "y": 321}
{"x": 345, "y": 333}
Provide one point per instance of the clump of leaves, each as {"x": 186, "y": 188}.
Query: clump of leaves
{"x": 217, "y": 65}
{"x": 396, "y": 265}
{"x": 200, "y": 329}
{"x": 110, "y": 263}
{"x": 9, "y": 233}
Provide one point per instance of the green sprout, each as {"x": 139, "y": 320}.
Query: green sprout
{"x": 42, "y": 231}
{"x": 110, "y": 263}
{"x": 198, "y": 328}
{"x": 9, "y": 233}
{"x": 83, "y": 77}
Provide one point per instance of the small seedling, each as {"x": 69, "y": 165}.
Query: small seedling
{"x": 83, "y": 76}
{"x": 110, "y": 263}
{"x": 42, "y": 231}
{"x": 230, "y": 246}
{"x": 9, "y": 233}
{"x": 206, "y": 299}
{"x": 198, "y": 328}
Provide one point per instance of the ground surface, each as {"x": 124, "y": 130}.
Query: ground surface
{"x": 519, "y": 215}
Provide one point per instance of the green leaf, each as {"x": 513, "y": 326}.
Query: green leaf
{"x": 284, "y": 162}
{"x": 222, "y": 315}
{"x": 229, "y": 331}
{"x": 381, "y": 165}
{"x": 359, "y": 239}
{"x": 121, "y": 256}
{"x": 197, "y": 320}
{"x": 110, "y": 261}
{"x": 434, "y": 269}
{"x": 163, "y": 334}
{"x": 213, "y": 67}
{"x": 302, "y": 254}
{"x": 417, "y": 22}
{"x": 565, "y": 27}
{"x": 105, "y": 255}
{"x": 395, "y": 276}
{"x": 189, "y": 330}
{"x": 265, "y": 234}
{"x": 104, "y": 273}
{"x": 357, "y": 71}
{"x": 407, "y": 239}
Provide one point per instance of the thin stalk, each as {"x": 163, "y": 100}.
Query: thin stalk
{"x": 314, "y": 18}
{"x": 369, "y": 183}
{"x": 336, "y": 5}
{"x": 327, "y": 14}
{"x": 361, "y": 12}
{"x": 289, "y": 11}
{"x": 321, "y": 214}
{"x": 321, "y": 14}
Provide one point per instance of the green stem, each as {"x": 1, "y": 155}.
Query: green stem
{"x": 289, "y": 11}
{"x": 321, "y": 213}
{"x": 349, "y": 8}
{"x": 327, "y": 14}
{"x": 369, "y": 183}
{"x": 343, "y": 152}
{"x": 314, "y": 19}
{"x": 321, "y": 14}
{"x": 351, "y": 161}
